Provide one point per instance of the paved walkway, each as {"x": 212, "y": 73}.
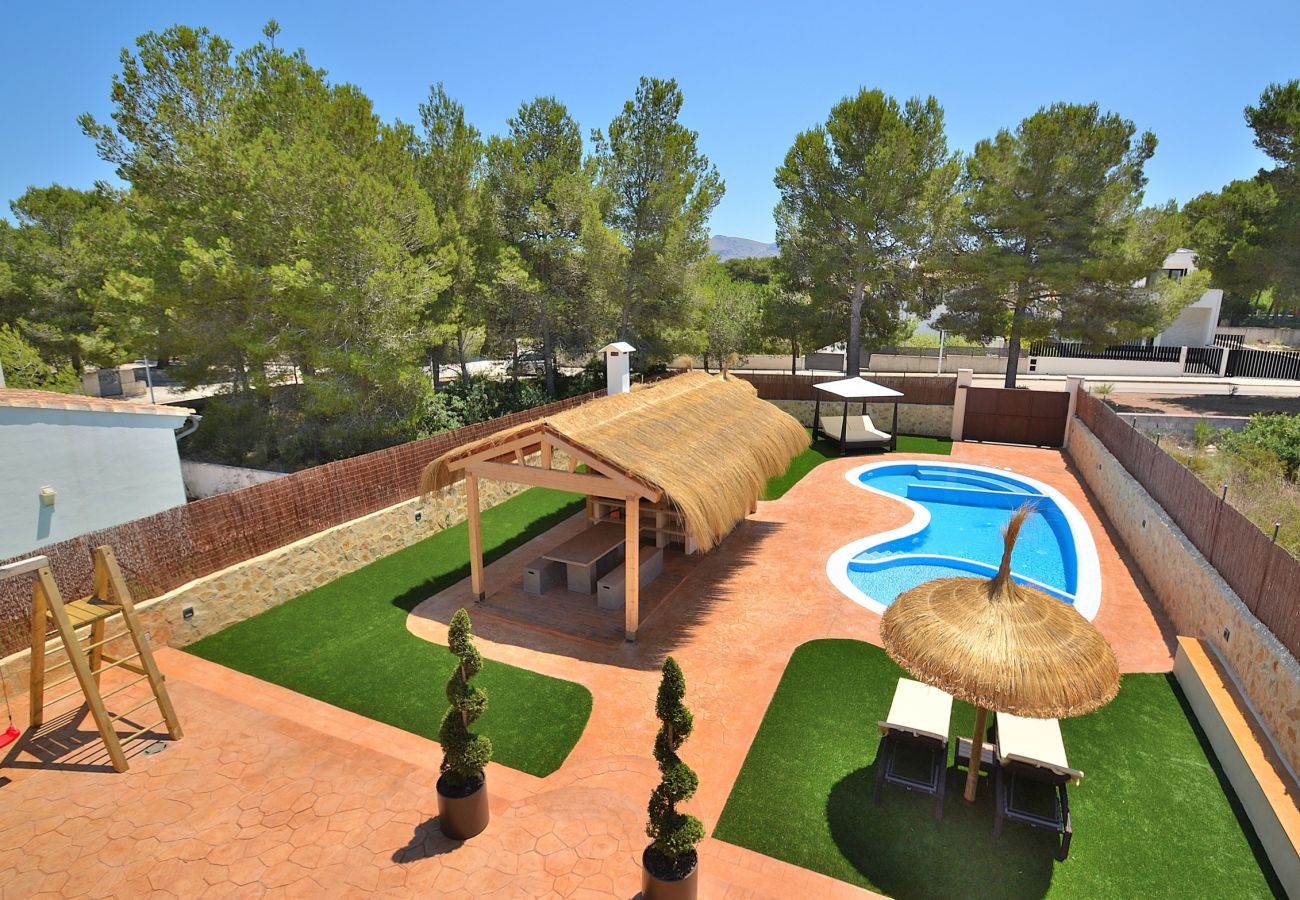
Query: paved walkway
{"x": 274, "y": 793}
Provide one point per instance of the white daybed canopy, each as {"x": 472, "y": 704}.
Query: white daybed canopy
{"x": 855, "y": 432}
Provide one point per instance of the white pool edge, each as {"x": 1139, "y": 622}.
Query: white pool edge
{"x": 1087, "y": 598}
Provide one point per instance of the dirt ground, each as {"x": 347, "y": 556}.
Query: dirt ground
{"x": 1203, "y": 405}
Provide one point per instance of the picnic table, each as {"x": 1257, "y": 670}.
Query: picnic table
{"x": 588, "y": 554}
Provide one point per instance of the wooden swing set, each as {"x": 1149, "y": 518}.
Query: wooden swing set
{"x": 110, "y": 601}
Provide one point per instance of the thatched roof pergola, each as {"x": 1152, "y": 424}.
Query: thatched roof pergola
{"x": 705, "y": 446}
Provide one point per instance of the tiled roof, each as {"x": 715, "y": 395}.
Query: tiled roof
{"x": 21, "y": 397}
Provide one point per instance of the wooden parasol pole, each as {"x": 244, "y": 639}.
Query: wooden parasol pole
{"x": 976, "y": 754}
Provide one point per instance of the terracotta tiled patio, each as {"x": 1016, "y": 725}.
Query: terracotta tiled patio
{"x": 273, "y": 793}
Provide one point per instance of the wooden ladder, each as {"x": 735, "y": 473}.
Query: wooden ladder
{"x": 111, "y": 600}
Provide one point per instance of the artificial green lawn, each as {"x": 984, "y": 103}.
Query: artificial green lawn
{"x": 1152, "y": 818}
{"x": 346, "y": 643}
{"x": 822, "y": 450}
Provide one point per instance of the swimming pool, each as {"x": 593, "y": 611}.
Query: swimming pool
{"x": 958, "y": 511}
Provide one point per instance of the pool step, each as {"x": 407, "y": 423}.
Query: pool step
{"x": 972, "y": 496}
{"x": 974, "y": 479}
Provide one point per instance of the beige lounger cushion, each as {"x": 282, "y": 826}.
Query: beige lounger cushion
{"x": 1035, "y": 742}
{"x": 919, "y": 709}
{"x": 861, "y": 430}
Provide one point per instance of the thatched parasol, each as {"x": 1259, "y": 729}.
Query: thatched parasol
{"x": 1000, "y": 645}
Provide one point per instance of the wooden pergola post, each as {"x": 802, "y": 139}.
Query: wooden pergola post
{"x": 632, "y": 568}
{"x": 475, "y": 537}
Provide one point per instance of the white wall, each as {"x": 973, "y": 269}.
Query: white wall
{"x": 106, "y": 469}
{"x": 1057, "y": 365}
{"x": 1252, "y": 335}
{"x": 209, "y": 479}
{"x": 1195, "y": 325}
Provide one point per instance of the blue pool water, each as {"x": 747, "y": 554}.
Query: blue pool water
{"x": 964, "y": 537}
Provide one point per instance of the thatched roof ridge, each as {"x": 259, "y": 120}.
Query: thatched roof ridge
{"x": 709, "y": 443}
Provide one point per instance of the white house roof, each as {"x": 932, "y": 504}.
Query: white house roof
{"x": 30, "y": 399}
{"x": 857, "y": 389}
{"x": 618, "y": 347}
{"x": 1182, "y": 258}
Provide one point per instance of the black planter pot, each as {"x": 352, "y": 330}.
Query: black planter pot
{"x": 462, "y": 814}
{"x": 654, "y": 887}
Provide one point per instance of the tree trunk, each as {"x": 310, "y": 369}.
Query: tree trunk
{"x": 435, "y": 366}
{"x": 548, "y": 360}
{"x": 852, "y": 367}
{"x": 1013, "y": 347}
{"x": 794, "y": 356}
{"x": 460, "y": 352}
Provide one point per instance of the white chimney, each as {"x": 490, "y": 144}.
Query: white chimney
{"x": 618, "y": 366}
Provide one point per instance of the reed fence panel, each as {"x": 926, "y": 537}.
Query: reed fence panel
{"x": 1264, "y": 575}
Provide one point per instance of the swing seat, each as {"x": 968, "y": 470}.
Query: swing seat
{"x": 9, "y": 736}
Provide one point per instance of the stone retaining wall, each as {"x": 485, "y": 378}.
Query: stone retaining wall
{"x": 1196, "y": 599}
{"x": 913, "y": 418}
{"x": 255, "y": 585}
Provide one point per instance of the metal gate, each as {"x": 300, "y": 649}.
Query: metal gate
{"x": 1263, "y": 363}
{"x": 1012, "y": 416}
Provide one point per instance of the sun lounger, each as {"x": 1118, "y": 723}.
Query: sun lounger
{"x": 1031, "y": 752}
{"x": 918, "y": 720}
{"x": 859, "y": 433}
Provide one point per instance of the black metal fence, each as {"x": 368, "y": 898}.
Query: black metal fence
{"x": 1264, "y": 363}
{"x": 1204, "y": 360}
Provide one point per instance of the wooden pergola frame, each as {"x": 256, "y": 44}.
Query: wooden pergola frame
{"x": 508, "y": 461}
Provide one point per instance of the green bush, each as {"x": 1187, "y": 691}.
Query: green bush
{"x": 674, "y": 833}
{"x": 464, "y": 754}
{"x": 1202, "y": 434}
{"x": 1276, "y": 433}
{"x": 25, "y": 368}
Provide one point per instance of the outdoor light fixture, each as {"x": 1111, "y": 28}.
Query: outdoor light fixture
{"x": 47, "y": 496}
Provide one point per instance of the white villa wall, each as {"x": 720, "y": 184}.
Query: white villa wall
{"x": 1057, "y": 365}
{"x": 1254, "y": 335}
{"x": 210, "y": 479}
{"x": 106, "y": 468}
{"x": 1195, "y": 325}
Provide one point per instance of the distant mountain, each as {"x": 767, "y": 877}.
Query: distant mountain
{"x": 739, "y": 248}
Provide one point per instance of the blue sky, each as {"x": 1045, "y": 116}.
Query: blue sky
{"x": 753, "y": 74}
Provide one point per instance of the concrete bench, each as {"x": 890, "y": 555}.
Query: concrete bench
{"x": 610, "y": 588}
{"x": 1264, "y": 785}
{"x": 541, "y": 575}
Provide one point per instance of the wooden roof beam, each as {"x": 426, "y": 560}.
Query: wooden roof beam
{"x": 557, "y": 479}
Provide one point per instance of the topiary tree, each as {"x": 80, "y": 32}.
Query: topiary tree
{"x": 674, "y": 833}
{"x": 464, "y": 754}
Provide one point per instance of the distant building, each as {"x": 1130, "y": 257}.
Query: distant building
{"x": 71, "y": 464}
{"x": 1195, "y": 325}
